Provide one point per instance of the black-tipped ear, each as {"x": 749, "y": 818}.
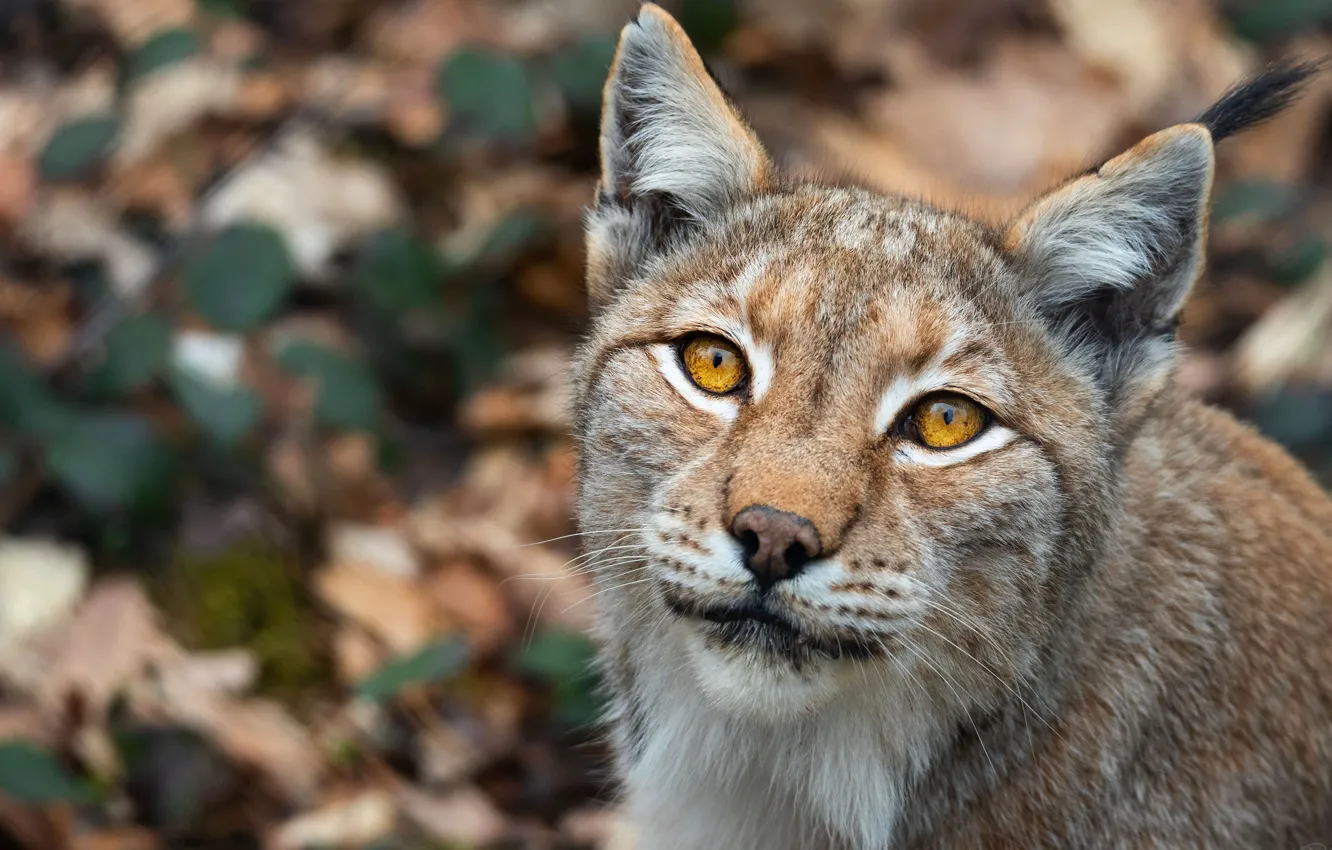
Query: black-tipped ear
{"x": 1257, "y": 99}
{"x": 674, "y": 151}
{"x": 1109, "y": 258}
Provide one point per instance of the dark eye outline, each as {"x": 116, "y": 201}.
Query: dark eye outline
{"x": 741, "y": 386}
{"x": 908, "y": 428}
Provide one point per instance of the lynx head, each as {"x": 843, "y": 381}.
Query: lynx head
{"x": 826, "y": 432}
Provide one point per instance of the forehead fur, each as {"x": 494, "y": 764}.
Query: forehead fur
{"x": 825, "y": 262}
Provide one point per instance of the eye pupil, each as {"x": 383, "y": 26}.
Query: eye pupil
{"x": 948, "y": 415}
{"x": 717, "y": 359}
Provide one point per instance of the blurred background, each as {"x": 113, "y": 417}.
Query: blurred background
{"x": 287, "y": 290}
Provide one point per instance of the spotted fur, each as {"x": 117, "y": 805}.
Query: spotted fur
{"x": 1103, "y": 623}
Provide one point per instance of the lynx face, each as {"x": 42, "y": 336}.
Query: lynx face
{"x": 888, "y": 482}
{"x": 831, "y": 438}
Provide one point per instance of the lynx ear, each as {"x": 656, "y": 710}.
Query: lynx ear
{"x": 674, "y": 151}
{"x": 1110, "y": 257}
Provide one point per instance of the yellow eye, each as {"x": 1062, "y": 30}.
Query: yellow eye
{"x": 713, "y": 363}
{"x": 945, "y": 420}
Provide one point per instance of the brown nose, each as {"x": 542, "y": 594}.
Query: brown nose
{"x": 777, "y": 544}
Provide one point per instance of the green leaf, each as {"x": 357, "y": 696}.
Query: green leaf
{"x": 1300, "y": 261}
{"x": 225, "y": 414}
{"x": 108, "y": 460}
{"x": 242, "y": 278}
{"x": 33, "y": 776}
{"x": 79, "y": 147}
{"x": 488, "y": 95}
{"x": 26, "y": 403}
{"x": 349, "y": 395}
{"x": 236, "y": 9}
{"x": 1263, "y": 200}
{"x": 136, "y": 352}
{"x": 166, "y": 48}
{"x": 558, "y": 654}
{"x": 581, "y": 72}
{"x": 1268, "y": 20}
{"x": 1296, "y": 417}
{"x": 514, "y": 234}
{"x": 397, "y": 273}
{"x": 563, "y": 659}
{"x": 435, "y": 663}
{"x": 708, "y": 22}
{"x": 9, "y": 465}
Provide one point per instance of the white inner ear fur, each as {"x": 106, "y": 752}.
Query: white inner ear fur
{"x": 684, "y": 139}
{"x": 1112, "y": 229}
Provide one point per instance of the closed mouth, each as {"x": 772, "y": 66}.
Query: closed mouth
{"x": 753, "y": 624}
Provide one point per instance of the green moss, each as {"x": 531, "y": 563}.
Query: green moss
{"x": 249, "y": 596}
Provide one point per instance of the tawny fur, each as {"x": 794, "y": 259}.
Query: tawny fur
{"x": 1107, "y": 622}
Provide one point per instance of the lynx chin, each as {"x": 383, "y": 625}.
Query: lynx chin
{"x": 904, "y": 536}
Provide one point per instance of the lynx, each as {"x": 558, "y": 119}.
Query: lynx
{"x": 905, "y": 537}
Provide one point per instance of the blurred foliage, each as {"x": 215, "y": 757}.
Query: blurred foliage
{"x": 249, "y": 596}
{"x": 32, "y": 775}
{"x": 433, "y": 663}
{"x": 251, "y": 346}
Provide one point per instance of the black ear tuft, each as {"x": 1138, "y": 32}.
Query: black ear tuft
{"x": 1258, "y": 99}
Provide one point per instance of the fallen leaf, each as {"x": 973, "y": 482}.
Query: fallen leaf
{"x": 466, "y": 598}
{"x": 40, "y": 583}
{"x": 137, "y": 21}
{"x": 356, "y": 655}
{"x": 361, "y": 820}
{"x": 125, "y": 838}
{"x": 111, "y": 641}
{"x": 463, "y": 816}
{"x": 74, "y": 226}
{"x": 317, "y": 202}
{"x": 392, "y": 609}
{"x": 381, "y": 548}
{"x": 172, "y": 99}
{"x": 18, "y": 182}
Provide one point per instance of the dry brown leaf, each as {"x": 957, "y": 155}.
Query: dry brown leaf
{"x": 111, "y": 641}
{"x": 73, "y": 226}
{"x": 124, "y": 838}
{"x": 1291, "y": 342}
{"x": 155, "y": 185}
{"x": 41, "y": 317}
{"x": 18, "y": 185}
{"x": 355, "y": 822}
{"x": 535, "y": 578}
{"x": 32, "y": 827}
{"x": 25, "y": 723}
{"x": 316, "y": 201}
{"x": 355, "y": 654}
{"x": 171, "y": 100}
{"x": 423, "y": 32}
{"x": 1031, "y": 115}
{"x": 471, "y": 602}
{"x": 463, "y": 816}
{"x": 135, "y": 21}
{"x": 447, "y": 755}
{"x": 382, "y": 548}
{"x": 262, "y": 734}
{"x": 392, "y": 609}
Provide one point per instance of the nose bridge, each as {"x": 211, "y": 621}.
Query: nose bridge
{"x": 815, "y": 473}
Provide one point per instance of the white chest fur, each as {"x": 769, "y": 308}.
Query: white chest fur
{"x": 831, "y": 778}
